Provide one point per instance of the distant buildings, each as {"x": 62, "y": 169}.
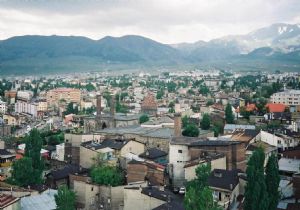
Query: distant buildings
{"x": 68, "y": 95}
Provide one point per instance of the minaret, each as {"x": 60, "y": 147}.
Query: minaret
{"x": 113, "y": 111}
{"x": 98, "y": 115}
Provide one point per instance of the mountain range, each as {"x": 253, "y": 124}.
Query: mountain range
{"x": 273, "y": 47}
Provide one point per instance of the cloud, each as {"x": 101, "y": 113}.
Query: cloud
{"x": 168, "y": 21}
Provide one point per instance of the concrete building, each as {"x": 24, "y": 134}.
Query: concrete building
{"x": 3, "y": 107}
{"x": 287, "y": 97}
{"x": 54, "y": 96}
{"x": 109, "y": 150}
{"x": 25, "y": 95}
{"x": 26, "y": 107}
{"x": 280, "y": 141}
{"x": 217, "y": 161}
{"x": 185, "y": 149}
{"x": 91, "y": 196}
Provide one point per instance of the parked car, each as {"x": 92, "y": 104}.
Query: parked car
{"x": 182, "y": 190}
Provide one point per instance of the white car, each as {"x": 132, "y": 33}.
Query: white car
{"x": 182, "y": 190}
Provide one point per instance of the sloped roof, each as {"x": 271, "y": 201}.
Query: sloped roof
{"x": 276, "y": 107}
{"x": 45, "y": 201}
{"x": 224, "y": 179}
{"x": 153, "y": 153}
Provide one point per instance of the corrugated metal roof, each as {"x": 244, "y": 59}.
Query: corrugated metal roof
{"x": 44, "y": 201}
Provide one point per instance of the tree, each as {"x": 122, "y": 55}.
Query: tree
{"x": 33, "y": 148}
{"x": 246, "y": 114}
{"x": 144, "y": 118}
{"x": 65, "y": 199}
{"x": 71, "y": 109}
{"x": 229, "y": 117}
{"x": 107, "y": 175}
{"x": 198, "y": 195}
{"x": 256, "y": 196}
{"x": 204, "y": 90}
{"x": 185, "y": 121}
{"x": 22, "y": 171}
{"x": 205, "y": 122}
{"x": 272, "y": 181}
{"x": 191, "y": 130}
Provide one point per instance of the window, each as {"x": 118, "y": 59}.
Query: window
{"x": 179, "y": 151}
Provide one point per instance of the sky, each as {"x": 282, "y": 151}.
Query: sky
{"x": 166, "y": 21}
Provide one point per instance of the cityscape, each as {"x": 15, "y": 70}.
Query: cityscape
{"x": 104, "y": 119}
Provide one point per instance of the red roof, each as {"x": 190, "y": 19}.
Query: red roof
{"x": 276, "y": 107}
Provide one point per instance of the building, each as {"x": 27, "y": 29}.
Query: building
{"x": 186, "y": 149}
{"x": 149, "y": 105}
{"x": 11, "y": 96}
{"x": 26, "y": 107}
{"x": 139, "y": 171}
{"x": 287, "y": 97}
{"x": 25, "y": 95}
{"x": 281, "y": 141}
{"x": 3, "y": 107}
{"x": 108, "y": 150}
{"x": 226, "y": 186}
{"x": 42, "y": 106}
{"x": 68, "y": 95}
{"x": 216, "y": 160}
{"x": 148, "y": 198}
{"x": 90, "y": 196}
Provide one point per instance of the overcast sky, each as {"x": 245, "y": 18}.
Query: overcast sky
{"x": 167, "y": 21}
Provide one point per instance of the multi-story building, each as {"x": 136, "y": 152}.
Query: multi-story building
{"x": 42, "y": 106}
{"x": 25, "y": 95}
{"x": 287, "y": 97}
{"x": 26, "y": 107}
{"x": 66, "y": 94}
{"x": 3, "y": 107}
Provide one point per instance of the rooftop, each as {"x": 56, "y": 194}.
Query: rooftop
{"x": 224, "y": 179}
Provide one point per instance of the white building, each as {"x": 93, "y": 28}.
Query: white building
{"x": 280, "y": 141}
{"x": 25, "y": 95}
{"x": 26, "y": 107}
{"x": 287, "y": 97}
{"x": 3, "y": 107}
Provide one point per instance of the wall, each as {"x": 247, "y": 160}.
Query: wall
{"x": 134, "y": 199}
{"x": 133, "y": 147}
{"x": 87, "y": 156}
{"x": 235, "y": 154}
{"x": 177, "y": 161}
{"x": 190, "y": 172}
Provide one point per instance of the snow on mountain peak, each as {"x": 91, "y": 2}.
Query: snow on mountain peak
{"x": 282, "y": 29}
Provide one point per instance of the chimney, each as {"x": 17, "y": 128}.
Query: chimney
{"x": 177, "y": 124}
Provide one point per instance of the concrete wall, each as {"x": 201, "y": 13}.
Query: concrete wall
{"x": 93, "y": 196}
{"x": 133, "y": 147}
{"x": 190, "y": 172}
{"x": 87, "y": 157}
{"x": 178, "y": 157}
{"x": 134, "y": 199}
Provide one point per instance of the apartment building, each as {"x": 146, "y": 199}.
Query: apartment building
{"x": 68, "y": 95}
{"x": 287, "y": 97}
